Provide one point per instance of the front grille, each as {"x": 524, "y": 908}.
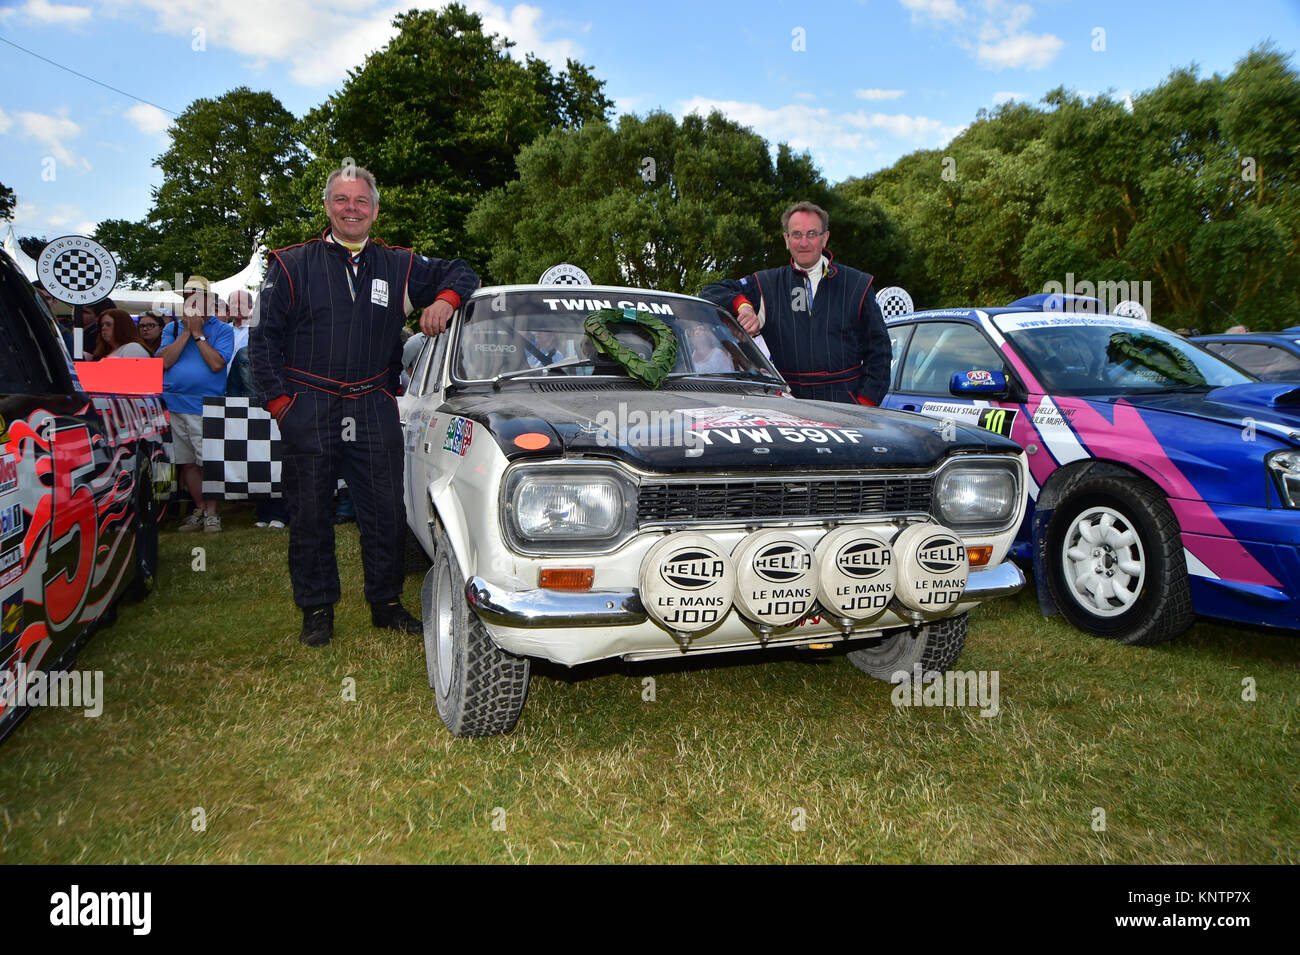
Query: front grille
{"x": 789, "y": 499}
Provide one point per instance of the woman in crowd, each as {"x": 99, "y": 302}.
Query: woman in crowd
{"x": 151, "y": 326}
{"x": 118, "y": 336}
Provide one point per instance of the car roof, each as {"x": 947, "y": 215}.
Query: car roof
{"x": 1287, "y": 337}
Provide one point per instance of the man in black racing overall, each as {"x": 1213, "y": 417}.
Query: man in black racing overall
{"x": 326, "y": 358}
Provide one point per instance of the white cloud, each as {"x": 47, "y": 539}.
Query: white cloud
{"x": 803, "y": 127}
{"x": 943, "y": 11}
{"x": 838, "y": 142}
{"x": 148, "y": 119}
{"x": 915, "y": 128}
{"x": 1005, "y": 96}
{"x": 45, "y": 12}
{"x": 5, "y": 121}
{"x": 53, "y": 133}
{"x": 994, "y": 31}
{"x": 1030, "y": 51}
{"x": 875, "y": 96}
{"x": 322, "y": 39}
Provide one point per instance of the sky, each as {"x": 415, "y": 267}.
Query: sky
{"x": 857, "y": 84}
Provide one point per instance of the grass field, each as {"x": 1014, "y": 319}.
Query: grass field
{"x": 224, "y": 740}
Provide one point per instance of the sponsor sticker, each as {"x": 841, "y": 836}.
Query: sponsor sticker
{"x": 8, "y": 473}
{"x": 379, "y": 292}
{"x": 460, "y": 433}
{"x": 11, "y": 565}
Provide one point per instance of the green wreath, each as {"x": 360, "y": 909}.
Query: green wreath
{"x": 1174, "y": 365}
{"x": 651, "y": 371}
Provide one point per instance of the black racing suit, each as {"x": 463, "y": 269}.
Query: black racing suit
{"x": 831, "y": 346}
{"x": 326, "y": 333}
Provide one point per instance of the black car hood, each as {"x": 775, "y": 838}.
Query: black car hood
{"x": 674, "y": 430}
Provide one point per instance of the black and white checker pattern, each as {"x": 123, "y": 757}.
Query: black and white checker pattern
{"x": 241, "y": 450}
{"x": 894, "y": 301}
{"x": 77, "y": 270}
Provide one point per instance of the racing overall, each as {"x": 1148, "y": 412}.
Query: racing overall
{"x": 831, "y": 346}
{"x": 327, "y": 334}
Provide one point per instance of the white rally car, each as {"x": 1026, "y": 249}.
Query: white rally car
{"x": 608, "y": 472}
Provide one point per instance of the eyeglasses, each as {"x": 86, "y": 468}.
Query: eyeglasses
{"x": 812, "y": 236}
{"x": 147, "y": 325}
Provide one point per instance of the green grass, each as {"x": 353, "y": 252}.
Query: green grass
{"x": 212, "y": 703}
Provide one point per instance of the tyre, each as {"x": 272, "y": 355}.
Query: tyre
{"x": 480, "y": 689}
{"x": 1115, "y": 562}
{"x": 144, "y": 526}
{"x": 935, "y": 646}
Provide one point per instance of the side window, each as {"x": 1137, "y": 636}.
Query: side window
{"x": 437, "y": 354}
{"x": 1266, "y": 362}
{"x": 941, "y": 349}
{"x": 416, "y": 386}
{"x": 25, "y": 362}
{"x": 898, "y": 338}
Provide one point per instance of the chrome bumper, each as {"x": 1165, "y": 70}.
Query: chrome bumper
{"x": 622, "y": 608}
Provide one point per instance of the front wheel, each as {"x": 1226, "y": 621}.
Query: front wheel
{"x": 934, "y": 646}
{"x": 480, "y": 689}
{"x": 1115, "y": 562}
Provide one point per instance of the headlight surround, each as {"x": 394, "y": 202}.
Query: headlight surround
{"x": 1284, "y": 466}
{"x": 557, "y": 509}
{"x": 979, "y": 496}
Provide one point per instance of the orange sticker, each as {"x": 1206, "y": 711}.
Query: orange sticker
{"x": 532, "y": 441}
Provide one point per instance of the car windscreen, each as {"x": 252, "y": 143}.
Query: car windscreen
{"x": 1083, "y": 355}
{"x": 522, "y": 333}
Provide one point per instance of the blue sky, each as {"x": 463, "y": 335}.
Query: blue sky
{"x": 857, "y": 84}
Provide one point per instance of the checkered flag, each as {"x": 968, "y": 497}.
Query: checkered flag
{"x": 77, "y": 270}
{"x": 894, "y": 301}
{"x": 241, "y": 450}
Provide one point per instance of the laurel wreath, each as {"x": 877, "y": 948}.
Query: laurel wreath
{"x": 652, "y": 371}
{"x": 1175, "y": 365}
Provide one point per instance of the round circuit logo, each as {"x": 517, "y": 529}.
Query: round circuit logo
{"x": 77, "y": 270}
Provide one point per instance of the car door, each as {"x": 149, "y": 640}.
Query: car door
{"x": 417, "y": 409}
{"x": 931, "y": 353}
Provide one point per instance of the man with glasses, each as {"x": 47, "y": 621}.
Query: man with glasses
{"x": 819, "y": 319}
{"x": 326, "y": 352}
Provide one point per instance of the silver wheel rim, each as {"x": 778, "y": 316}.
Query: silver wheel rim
{"x": 443, "y": 623}
{"x": 1104, "y": 564}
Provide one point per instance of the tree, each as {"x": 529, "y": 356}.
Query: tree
{"x": 32, "y": 246}
{"x": 650, "y": 202}
{"x": 438, "y": 116}
{"x": 226, "y": 179}
{"x": 1192, "y": 187}
{"x": 7, "y": 202}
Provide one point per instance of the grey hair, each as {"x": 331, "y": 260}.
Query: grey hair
{"x": 351, "y": 171}
{"x": 807, "y": 207}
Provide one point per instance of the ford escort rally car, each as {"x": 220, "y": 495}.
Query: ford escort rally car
{"x": 573, "y": 512}
{"x": 78, "y": 522}
{"x": 1165, "y": 482}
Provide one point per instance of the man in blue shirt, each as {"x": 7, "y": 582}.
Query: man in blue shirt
{"x": 195, "y": 349}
